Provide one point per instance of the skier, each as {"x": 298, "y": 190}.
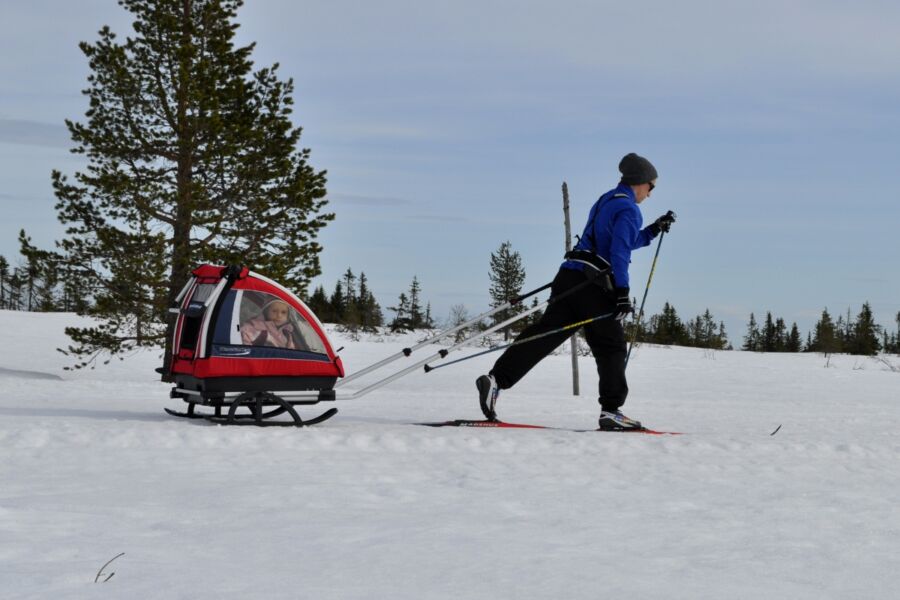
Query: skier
{"x": 601, "y": 256}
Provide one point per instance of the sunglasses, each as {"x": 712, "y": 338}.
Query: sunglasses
{"x": 652, "y": 185}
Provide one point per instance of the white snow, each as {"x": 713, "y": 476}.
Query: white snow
{"x": 368, "y": 506}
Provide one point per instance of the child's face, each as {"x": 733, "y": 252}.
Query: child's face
{"x": 277, "y": 312}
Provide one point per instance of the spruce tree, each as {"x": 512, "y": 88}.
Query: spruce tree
{"x": 416, "y": 314}
{"x": 319, "y": 304}
{"x": 401, "y": 321}
{"x": 370, "y": 311}
{"x": 338, "y": 302}
{"x": 769, "y": 334}
{"x": 15, "y": 283}
{"x": 794, "y": 342}
{"x": 896, "y": 346}
{"x": 865, "y": 333}
{"x": 708, "y": 331}
{"x": 667, "y": 327}
{"x": 349, "y": 280}
{"x": 351, "y": 314}
{"x": 781, "y": 335}
{"x": 695, "y": 335}
{"x": 825, "y": 338}
{"x": 507, "y": 276}
{"x": 43, "y": 276}
{"x": 752, "y": 339}
{"x": 192, "y": 158}
{"x": 722, "y": 337}
{"x": 429, "y": 321}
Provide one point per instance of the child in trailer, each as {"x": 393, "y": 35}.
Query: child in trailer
{"x": 601, "y": 256}
{"x": 272, "y": 328}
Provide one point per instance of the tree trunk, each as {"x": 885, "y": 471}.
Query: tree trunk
{"x": 181, "y": 234}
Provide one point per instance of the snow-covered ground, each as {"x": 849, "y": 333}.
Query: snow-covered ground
{"x": 368, "y": 506}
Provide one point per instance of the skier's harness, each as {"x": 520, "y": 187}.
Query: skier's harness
{"x": 599, "y": 270}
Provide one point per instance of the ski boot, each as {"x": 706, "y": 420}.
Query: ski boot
{"x": 488, "y": 392}
{"x": 613, "y": 420}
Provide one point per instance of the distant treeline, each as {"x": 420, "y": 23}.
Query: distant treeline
{"x": 859, "y": 335}
{"x": 353, "y": 305}
{"x": 40, "y": 284}
{"x": 668, "y": 329}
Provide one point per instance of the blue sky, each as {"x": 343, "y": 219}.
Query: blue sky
{"x": 448, "y": 128}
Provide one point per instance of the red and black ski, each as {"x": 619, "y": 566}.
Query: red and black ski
{"x": 505, "y": 425}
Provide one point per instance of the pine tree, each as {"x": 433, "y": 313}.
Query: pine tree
{"x": 752, "y": 341}
{"x": 192, "y": 158}
{"x": 507, "y": 276}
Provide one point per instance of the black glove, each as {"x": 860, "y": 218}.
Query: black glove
{"x": 663, "y": 223}
{"x": 623, "y": 303}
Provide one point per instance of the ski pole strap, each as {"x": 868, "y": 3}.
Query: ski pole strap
{"x": 532, "y": 338}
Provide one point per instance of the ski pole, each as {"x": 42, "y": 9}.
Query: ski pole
{"x": 428, "y": 368}
{"x": 445, "y": 351}
{"x": 441, "y": 335}
{"x": 646, "y": 289}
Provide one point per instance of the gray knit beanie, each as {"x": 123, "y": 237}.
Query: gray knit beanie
{"x": 636, "y": 169}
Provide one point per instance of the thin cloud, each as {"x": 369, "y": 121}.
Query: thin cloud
{"x": 370, "y": 201}
{"x": 440, "y": 219}
{"x": 34, "y": 133}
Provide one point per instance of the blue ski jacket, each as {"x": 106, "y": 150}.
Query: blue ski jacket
{"x": 613, "y": 230}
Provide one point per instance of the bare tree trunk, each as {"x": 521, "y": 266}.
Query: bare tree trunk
{"x": 574, "y": 339}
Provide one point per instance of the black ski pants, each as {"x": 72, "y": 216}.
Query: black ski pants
{"x": 606, "y": 338}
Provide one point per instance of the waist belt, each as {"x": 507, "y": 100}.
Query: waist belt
{"x": 598, "y": 269}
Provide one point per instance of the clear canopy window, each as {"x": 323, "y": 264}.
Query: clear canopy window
{"x": 263, "y": 319}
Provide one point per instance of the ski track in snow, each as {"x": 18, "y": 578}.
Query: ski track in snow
{"x": 368, "y": 506}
